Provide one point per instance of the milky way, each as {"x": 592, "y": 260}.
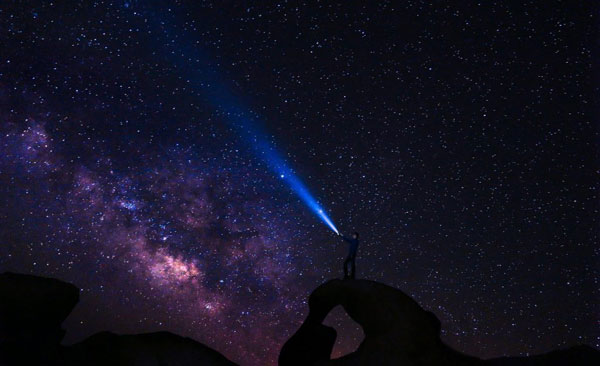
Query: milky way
{"x": 459, "y": 141}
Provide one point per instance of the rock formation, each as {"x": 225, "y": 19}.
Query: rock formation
{"x": 150, "y": 349}
{"x": 32, "y": 310}
{"x": 397, "y": 332}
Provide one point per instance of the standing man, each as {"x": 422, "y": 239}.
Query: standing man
{"x": 350, "y": 260}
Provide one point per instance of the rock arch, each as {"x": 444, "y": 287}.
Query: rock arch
{"x": 397, "y": 330}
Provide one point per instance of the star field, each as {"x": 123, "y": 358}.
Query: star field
{"x": 459, "y": 140}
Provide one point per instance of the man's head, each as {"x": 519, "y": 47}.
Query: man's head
{"x": 355, "y": 235}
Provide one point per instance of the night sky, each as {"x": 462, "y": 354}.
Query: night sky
{"x": 461, "y": 141}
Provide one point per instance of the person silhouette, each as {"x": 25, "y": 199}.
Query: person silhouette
{"x": 351, "y": 258}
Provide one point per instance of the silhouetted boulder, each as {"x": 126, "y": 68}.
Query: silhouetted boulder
{"x": 31, "y": 312}
{"x": 150, "y": 349}
{"x": 397, "y": 332}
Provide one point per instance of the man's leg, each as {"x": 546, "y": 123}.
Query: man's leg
{"x": 353, "y": 267}
{"x": 346, "y": 262}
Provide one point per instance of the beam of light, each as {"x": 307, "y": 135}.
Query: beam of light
{"x": 268, "y": 153}
{"x": 203, "y": 75}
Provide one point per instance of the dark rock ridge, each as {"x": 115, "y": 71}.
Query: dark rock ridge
{"x": 32, "y": 310}
{"x": 161, "y": 348}
{"x": 397, "y": 332}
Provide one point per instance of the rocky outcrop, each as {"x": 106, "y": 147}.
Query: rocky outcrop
{"x": 32, "y": 310}
{"x": 397, "y": 332}
{"x": 151, "y": 349}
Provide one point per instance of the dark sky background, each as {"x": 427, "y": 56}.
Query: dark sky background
{"x": 461, "y": 141}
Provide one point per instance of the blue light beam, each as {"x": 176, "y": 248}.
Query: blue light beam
{"x": 203, "y": 75}
{"x": 276, "y": 163}
{"x": 266, "y": 150}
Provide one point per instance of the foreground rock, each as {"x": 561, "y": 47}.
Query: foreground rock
{"x": 32, "y": 310}
{"x": 397, "y": 332}
{"x": 151, "y": 349}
